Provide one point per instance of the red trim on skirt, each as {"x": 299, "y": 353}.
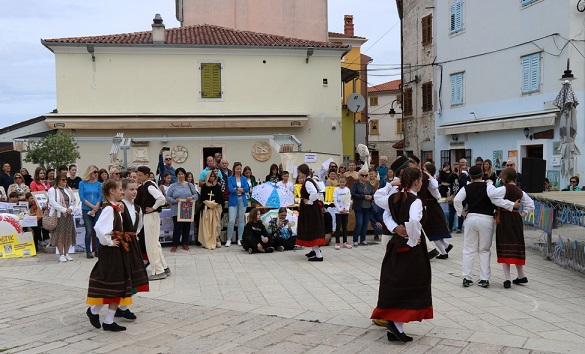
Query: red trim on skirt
{"x": 311, "y": 243}
{"x": 401, "y": 315}
{"x": 512, "y": 261}
{"x": 141, "y": 289}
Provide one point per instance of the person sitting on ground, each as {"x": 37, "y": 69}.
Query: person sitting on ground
{"x": 573, "y": 184}
{"x": 281, "y": 231}
{"x": 256, "y": 238}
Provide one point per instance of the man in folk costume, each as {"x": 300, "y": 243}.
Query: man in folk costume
{"x": 110, "y": 279}
{"x": 311, "y": 225}
{"x": 405, "y": 277}
{"x": 151, "y": 200}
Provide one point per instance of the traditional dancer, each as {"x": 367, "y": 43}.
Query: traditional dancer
{"x": 479, "y": 227}
{"x": 132, "y": 223}
{"x": 509, "y": 228}
{"x": 405, "y": 278}
{"x": 311, "y": 226}
{"x": 110, "y": 279}
{"x": 436, "y": 227}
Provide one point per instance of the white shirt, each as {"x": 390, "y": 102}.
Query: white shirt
{"x": 289, "y": 185}
{"x": 381, "y": 200}
{"x": 156, "y": 194}
{"x": 497, "y": 197}
{"x": 132, "y": 211}
{"x": 341, "y": 199}
{"x": 313, "y": 192}
{"x": 434, "y": 188}
{"x": 105, "y": 225}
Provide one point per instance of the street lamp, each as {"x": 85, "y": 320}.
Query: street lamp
{"x": 392, "y": 112}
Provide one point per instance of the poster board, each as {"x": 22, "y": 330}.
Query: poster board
{"x": 186, "y": 210}
{"x": 17, "y": 245}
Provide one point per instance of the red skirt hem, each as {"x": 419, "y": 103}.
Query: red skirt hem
{"x": 402, "y": 315}
{"x": 141, "y": 289}
{"x": 512, "y": 261}
{"x": 311, "y": 243}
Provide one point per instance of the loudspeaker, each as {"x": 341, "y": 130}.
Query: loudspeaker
{"x": 533, "y": 174}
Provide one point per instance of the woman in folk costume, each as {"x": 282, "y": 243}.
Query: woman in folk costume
{"x": 210, "y": 220}
{"x": 311, "y": 225}
{"x": 509, "y": 227}
{"x": 436, "y": 227}
{"x": 110, "y": 280}
{"x": 132, "y": 224}
{"x": 405, "y": 278}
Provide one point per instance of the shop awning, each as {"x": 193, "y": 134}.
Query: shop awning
{"x": 516, "y": 121}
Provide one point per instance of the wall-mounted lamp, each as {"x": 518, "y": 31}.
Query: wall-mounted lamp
{"x": 392, "y": 112}
{"x": 91, "y": 50}
{"x": 473, "y": 113}
{"x": 455, "y": 137}
{"x": 526, "y": 132}
{"x": 310, "y": 51}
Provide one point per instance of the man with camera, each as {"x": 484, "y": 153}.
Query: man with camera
{"x": 166, "y": 165}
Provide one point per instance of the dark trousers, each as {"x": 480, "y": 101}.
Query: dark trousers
{"x": 254, "y": 246}
{"x": 180, "y": 232}
{"x": 40, "y": 234}
{"x": 452, "y": 213}
{"x": 341, "y": 224}
{"x": 288, "y": 243}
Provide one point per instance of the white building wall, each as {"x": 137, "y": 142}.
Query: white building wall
{"x": 496, "y": 35}
{"x": 388, "y": 134}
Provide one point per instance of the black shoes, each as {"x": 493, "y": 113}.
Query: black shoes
{"x": 401, "y": 336}
{"x": 96, "y": 253}
{"x": 310, "y": 254}
{"x": 168, "y": 271}
{"x": 89, "y": 255}
{"x": 443, "y": 256}
{"x": 250, "y": 250}
{"x": 433, "y": 254}
{"x": 449, "y": 248}
{"x": 467, "y": 283}
{"x": 507, "y": 284}
{"x": 280, "y": 248}
{"x": 93, "y": 319}
{"x": 127, "y": 314}
{"x": 113, "y": 327}
{"x": 391, "y": 337}
{"x": 269, "y": 250}
{"x": 520, "y": 281}
{"x": 315, "y": 259}
{"x": 484, "y": 283}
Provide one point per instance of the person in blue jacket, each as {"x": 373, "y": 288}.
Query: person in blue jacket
{"x": 237, "y": 203}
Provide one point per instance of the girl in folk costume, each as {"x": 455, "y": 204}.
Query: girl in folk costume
{"x": 311, "y": 226}
{"x": 405, "y": 279}
{"x": 132, "y": 224}
{"x": 110, "y": 280}
{"x": 509, "y": 227}
{"x": 436, "y": 226}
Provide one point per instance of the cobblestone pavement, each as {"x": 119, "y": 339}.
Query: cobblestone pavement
{"x": 229, "y": 301}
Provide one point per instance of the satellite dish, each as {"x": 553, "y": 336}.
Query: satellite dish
{"x": 356, "y": 102}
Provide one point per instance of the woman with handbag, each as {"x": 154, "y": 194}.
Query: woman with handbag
{"x": 62, "y": 201}
{"x": 177, "y": 191}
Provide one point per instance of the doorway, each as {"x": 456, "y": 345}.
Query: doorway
{"x": 534, "y": 151}
{"x": 210, "y": 151}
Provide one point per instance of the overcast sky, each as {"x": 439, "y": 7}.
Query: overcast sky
{"x": 27, "y": 69}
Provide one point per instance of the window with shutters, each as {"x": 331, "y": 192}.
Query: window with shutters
{"x": 427, "y": 30}
{"x": 407, "y": 111}
{"x": 427, "y": 96}
{"x": 456, "y": 89}
{"x": 399, "y": 126}
{"x": 445, "y": 156}
{"x": 531, "y": 73}
{"x": 211, "y": 80}
{"x": 373, "y": 100}
{"x": 456, "y": 13}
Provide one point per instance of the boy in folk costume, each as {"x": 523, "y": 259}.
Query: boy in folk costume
{"x": 132, "y": 223}
{"x": 110, "y": 280}
{"x": 405, "y": 277}
{"x": 509, "y": 228}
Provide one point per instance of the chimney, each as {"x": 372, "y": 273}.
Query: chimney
{"x": 158, "y": 30}
{"x": 348, "y": 28}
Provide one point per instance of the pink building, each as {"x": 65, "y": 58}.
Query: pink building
{"x": 306, "y": 19}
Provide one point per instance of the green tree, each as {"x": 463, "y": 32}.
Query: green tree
{"x": 53, "y": 150}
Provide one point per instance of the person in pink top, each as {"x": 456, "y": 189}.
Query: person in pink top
{"x": 39, "y": 182}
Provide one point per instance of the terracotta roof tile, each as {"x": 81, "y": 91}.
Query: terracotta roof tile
{"x": 387, "y": 86}
{"x": 201, "y": 35}
{"x": 343, "y": 35}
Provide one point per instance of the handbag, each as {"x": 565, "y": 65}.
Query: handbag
{"x": 50, "y": 221}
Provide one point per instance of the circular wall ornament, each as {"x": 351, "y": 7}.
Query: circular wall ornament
{"x": 179, "y": 154}
{"x": 261, "y": 151}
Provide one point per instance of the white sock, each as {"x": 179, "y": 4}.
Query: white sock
{"x": 444, "y": 242}
{"x": 95, "y": 309}
{"x": 520, "y": 270}
{"x": 440, "y": 246}
{"x": 317, "y": 251}
{"x": 123, "y": 308}
{"x": 399, "y": 326}
{"x": 506, "y": 271}
{"x": 109, "y": 316}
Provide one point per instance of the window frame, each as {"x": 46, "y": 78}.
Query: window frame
{"x": 531, "y": 77}
{"x": 456, "y": 16}
{"x": 427, "y": 96}
{"x": 399, "y": 125}
{"x": 373, "y": 101}
{"x": 200, "y": 62}
{"x": 427, "y": 29}
{"x": 454, "y": 89}
{"x": 407, "y": 99}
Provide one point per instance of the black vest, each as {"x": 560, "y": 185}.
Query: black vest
{"x": 477, "y": 199}
{"x": 144, "y": 198}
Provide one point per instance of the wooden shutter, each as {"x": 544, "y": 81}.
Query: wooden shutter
{"x": 456, "y": 16}
{"x": 531, "y": 73}
{"x": 399, "y": 126}
{"x": 373, "y": 100}
{"x": 427, "y": 29}
{"x": 457, "y": 89}
{"x": 427, "y": 96}
{"x": 211, "y": 80}
{"x": 407, "y": 102}
{"x": 374, "y": 127}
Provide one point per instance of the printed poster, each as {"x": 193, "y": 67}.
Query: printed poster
{"x": 498, "y": 158}
{"x": 554, "y": 178}
{"x": 513, "y": 156}
{"x": 17, "y": 245}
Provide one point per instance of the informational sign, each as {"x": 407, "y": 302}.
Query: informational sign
{"x": 17, "y": 245}
{"x": 309, "y": 158}
{"x": 554, "y": 178}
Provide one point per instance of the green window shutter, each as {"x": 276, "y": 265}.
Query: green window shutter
{"x": 211, "y": 80}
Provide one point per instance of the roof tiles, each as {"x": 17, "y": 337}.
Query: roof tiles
{"x": 387, "y": 86}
